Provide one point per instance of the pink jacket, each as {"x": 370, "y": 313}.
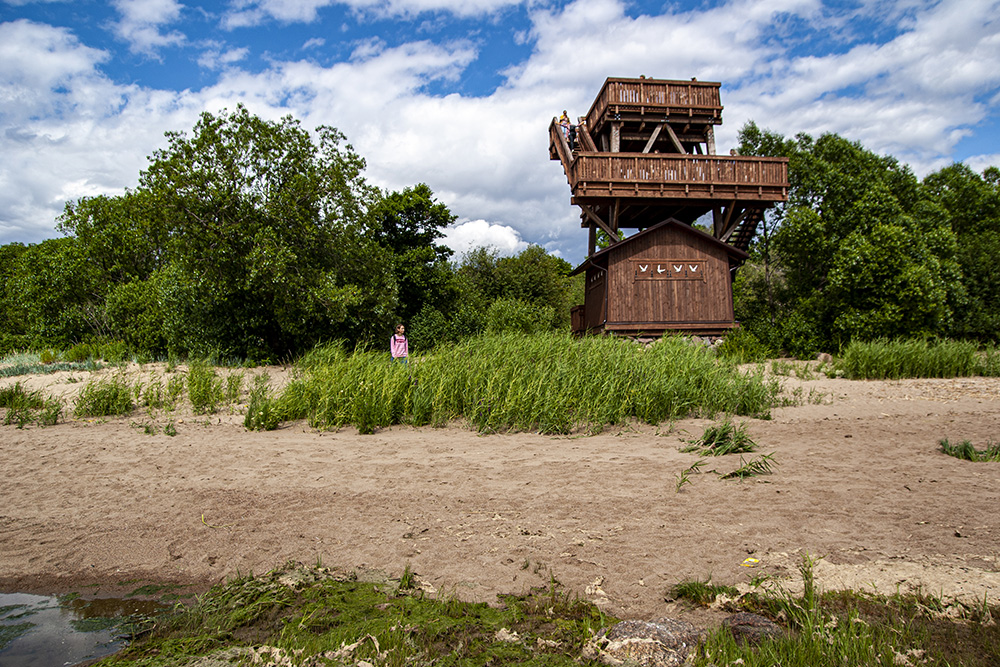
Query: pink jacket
{"x": 398, "y": 346}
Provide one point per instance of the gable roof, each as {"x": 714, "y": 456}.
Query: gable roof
{"x": 602, "y": 255}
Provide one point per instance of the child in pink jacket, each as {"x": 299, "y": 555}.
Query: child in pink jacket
{"x": 398, "y": 346}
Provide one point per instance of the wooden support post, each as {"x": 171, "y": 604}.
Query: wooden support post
{"x": 716, "y": 222}
{"x": 652, "y": 139}
{"x": 735, "y": 224}
{"x": 616, "y": 137}
{"x": 674, "y": 140}
{"x": 592, "y": 243}
{"x": 710, "y": 139}
{"x": 600, "y": 223}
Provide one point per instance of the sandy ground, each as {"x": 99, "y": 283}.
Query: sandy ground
{"x": 89, "y": 506}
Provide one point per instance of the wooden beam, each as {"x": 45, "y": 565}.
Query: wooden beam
{"x": 716, "y": 222}
{"x": 600, "y": 223}
{"x": 676, "y": 142}
{"x": 731, "y": 219}
{"x": 584, "y": 139}
{"x": 652, "y": 139}
{"x": 736, "y": 223}
{"x": 616, "y": 142}
{"x": 710, "y": 139}
{"x": 592, "y": 242}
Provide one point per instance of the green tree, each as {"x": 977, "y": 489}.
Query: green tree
{"x": 855, "y": 253}
{"x": 408, "y": 223}
{"x": 266, "y": 246}
{"x": 51, "y": 297}
{"x": 970, "y": 205}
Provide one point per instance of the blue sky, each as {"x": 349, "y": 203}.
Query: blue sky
{"x": 458, "y": 93}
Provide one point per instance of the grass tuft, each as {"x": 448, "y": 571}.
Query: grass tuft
{"x": 966, "y": 451}
{"x": 112, "y": 396}
{"x": 723, "y": 438}
{"x": 205, "y": 389}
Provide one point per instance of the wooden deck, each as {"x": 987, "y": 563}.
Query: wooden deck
{"x": 702, "y": 177}
{"x": 623, "y": 99}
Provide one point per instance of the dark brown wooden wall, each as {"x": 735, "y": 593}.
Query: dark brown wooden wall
{"x": 705, "y": 301}
{"x": 594, "y": 298}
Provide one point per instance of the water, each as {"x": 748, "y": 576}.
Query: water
{"x": 41, "y": 631}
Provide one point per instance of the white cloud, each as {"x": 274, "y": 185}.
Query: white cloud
{"x": 244, "y": 13}
{"x": 466, "y": 236}
{"x": 915, "y": 95}
{"x": 217, "y": 57}
{"x": 979, "y": 163}
{"x": 141, "y": 22}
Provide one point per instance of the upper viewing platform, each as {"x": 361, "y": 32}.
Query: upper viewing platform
{"x": 627, "y": 110}
{"x": 645, "y": 152}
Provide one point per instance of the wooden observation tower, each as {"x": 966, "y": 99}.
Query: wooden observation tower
{"x": 643, "y": 158}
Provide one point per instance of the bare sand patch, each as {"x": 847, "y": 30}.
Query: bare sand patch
{"x": 860, "y": 482}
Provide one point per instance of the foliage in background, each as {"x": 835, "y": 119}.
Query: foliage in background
{"x": 863, "y": 250}
{"x": 911, "y": 358}
{"x": 255, "y": 240}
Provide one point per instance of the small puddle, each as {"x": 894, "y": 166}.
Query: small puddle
{"x": 41, "y": 631}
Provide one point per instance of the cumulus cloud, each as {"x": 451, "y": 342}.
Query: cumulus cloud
{"x": 466, "y": 236}
{"x": 142, "y": 21}
{"x": 930, "y": 79}
{"x": 243, "y": 13}
{"x": 217, "y": 56}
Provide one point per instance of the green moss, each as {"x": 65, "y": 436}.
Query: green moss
{"x": 315, "y": 613}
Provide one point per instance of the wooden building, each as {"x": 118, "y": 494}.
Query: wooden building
{"x": 668, "y": 277}
{"x": 643, "y": 158}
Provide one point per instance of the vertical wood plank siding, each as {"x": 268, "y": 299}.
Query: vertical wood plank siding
{"x": 707, "y": 301}
{"x": 760, "y": 177}
{"x": 655, "y": 93}
{"x": 594, "y": 298}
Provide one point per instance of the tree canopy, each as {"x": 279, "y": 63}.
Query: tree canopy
{"x": 255, "y": 239}
{"x": 863, "y": 249}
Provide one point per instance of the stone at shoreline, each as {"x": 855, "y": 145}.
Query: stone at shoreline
{"x": 751, "y": 628}
{"x": 665, "y": 642}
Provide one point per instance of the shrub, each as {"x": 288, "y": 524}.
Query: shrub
{"x": 107, "y": 397}
{"x": 743, "y": 347}
{"x": 204, "y": 387}
{"x": 911, "y": 358}
{"x": 80, "y": 352}
{"x": 514, "y": 315}
{"x": 114, "y": 351}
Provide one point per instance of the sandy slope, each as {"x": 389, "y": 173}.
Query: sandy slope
{"x": 860, "y": 481}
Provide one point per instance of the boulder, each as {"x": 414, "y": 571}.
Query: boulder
{"x": 666, "y": 642}
{"x": 751, "y": 628}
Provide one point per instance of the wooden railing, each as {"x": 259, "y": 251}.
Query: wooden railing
{"x": 655, "y": 93}
{"x": 622, "y": 174}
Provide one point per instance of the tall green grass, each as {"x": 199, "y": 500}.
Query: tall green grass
{"x": 551, "y": 382}
{"x": 107, "y": 397}
{"x": 915, "y": 358}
